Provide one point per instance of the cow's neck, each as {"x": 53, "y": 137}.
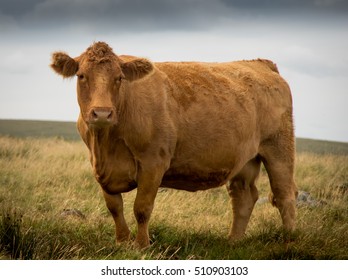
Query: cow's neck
{"x": 98, "y": 145}
{"x": 111, "y": 158}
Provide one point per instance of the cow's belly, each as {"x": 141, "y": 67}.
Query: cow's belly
{"x": 194, "y": 181}
{"x": 195, "y": 167}
{"x": 194, "y": 172}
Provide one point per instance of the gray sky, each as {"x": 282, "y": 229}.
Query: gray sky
{"x": 307, "y": 39}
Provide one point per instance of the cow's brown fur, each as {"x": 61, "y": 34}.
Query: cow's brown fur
{"x": 183, "y": 125}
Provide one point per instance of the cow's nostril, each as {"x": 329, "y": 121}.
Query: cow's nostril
{"x": 101, "y": 115}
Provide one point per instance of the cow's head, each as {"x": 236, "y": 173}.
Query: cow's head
{"x": 100, "y": 74}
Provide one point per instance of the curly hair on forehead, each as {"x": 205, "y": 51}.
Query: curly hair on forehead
{"x": 100, "y": 52}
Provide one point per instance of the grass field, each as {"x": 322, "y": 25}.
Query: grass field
{"x": 44, "y": 177}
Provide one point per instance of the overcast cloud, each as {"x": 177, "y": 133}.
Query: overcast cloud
{"x": 307, "y": 39}
{"x": 155, "y": 15}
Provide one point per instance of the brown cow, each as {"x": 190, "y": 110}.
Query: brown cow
{"x": 183, "y": 125}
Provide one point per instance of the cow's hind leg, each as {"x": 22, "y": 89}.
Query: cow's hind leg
{"x": 244, "y": 194}
{"x": 115, "y": 205}
{"x": 278, "y": 157}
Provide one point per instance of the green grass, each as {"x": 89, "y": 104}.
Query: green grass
{"x": 40, "y": 177}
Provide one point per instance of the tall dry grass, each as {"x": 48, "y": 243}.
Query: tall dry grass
{"x": 41, "y": 178}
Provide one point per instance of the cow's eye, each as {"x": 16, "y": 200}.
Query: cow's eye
{"x": 118, "y": 80}
{"x": 81, "y": 77}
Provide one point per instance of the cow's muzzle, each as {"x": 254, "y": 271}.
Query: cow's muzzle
{"x": 102, "y": 116}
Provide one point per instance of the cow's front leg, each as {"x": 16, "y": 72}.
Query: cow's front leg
{"x": 148, "y": 183}
{"x": 114, "y": 203}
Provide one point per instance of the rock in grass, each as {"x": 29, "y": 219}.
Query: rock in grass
{"x": 262, "y": 200}
{"x": 343, "y": 189}
{"x": 303, "y": 199}
{"x": 72, "y": 213}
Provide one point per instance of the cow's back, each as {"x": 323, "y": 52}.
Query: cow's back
{"x": 246, "y": 90}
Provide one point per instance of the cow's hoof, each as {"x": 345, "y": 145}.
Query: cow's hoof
{"x": 123, "y": 236}
{"x": 123, "y": 240}
{"x": 141, "y": 244}
{"x": 232, "y": 238}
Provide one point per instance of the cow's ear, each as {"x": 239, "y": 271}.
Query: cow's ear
{"x": 64, "y": 65}
{"x": 136, "y": 68}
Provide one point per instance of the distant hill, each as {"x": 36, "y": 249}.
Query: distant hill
{"x": 321, "y": 147}
{"x": 68, "y": 131}
{"x": 45, "y": 129}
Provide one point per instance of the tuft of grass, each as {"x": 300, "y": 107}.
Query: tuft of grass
{"x": 16, "y": 242}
